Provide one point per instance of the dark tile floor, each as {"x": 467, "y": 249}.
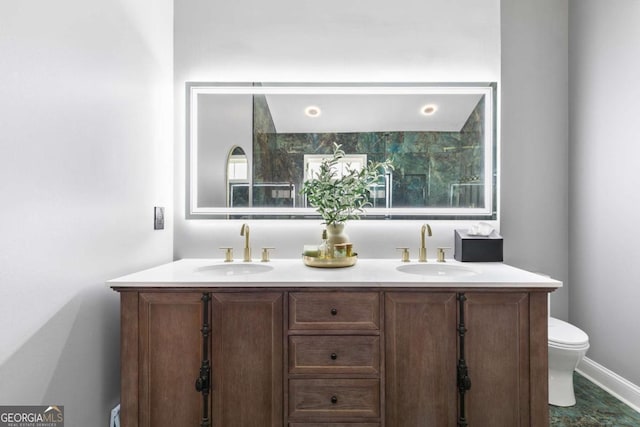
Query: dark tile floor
{"x": 594, "y": 408}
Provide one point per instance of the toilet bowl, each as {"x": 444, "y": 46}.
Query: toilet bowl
{"x": 567, "y": 346}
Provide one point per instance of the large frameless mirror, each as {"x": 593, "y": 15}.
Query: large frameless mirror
{"x": 250, "y": 147}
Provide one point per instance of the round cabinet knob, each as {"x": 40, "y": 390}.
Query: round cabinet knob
{"x": 334, "y": 311}
{"x": 334, "y": 356}
{"x": 334, "y": 399}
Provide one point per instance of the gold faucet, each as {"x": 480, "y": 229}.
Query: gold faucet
{"x": 244, "y": 231}
{"x": 423, "y": 247}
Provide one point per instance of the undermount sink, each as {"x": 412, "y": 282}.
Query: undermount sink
{"x": 438, "y": 269}
{"x": 234, "y": 269}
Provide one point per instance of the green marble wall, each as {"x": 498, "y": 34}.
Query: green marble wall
{"x": 426, "y": 163}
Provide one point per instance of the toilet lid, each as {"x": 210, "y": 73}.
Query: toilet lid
{"x": 565, "y": 333}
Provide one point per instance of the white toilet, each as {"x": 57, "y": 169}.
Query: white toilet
{"x": 567, "y": 346}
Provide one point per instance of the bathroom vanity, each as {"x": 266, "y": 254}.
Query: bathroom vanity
{"x": 382, "y": 343}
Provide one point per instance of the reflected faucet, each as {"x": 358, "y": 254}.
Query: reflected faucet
{"x": 244, "y": 231}
{"x": 426, "y": 229}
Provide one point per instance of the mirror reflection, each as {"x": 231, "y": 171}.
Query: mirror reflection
{"x": 273, "y": 137}
{"x": 238, "y": 184}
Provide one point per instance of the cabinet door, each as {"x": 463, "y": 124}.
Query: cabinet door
{"x": 497, "y": 354}
{"x": 170, "y": 354}
{"x": 247, "y": 360}
{"x": 421, "y": 357}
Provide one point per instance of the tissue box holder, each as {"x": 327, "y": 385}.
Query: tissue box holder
{"x": 477, "y": 248}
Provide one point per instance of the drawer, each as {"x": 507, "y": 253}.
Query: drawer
{"x": 333, "y": 399}
{"x": 314, "y": 354}
{"x": 334, "y": 310}
{"x": 334, "y": 424}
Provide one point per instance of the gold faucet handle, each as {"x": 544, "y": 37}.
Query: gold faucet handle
{"x": 441, "y": 254}
{"x": 265, "y": 254}
{"x": 228, "y": 254}
{"x": 405, "y": 254}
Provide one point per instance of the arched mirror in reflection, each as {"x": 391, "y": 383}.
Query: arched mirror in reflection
{"x": 238, "y": 183}
{"x": 441, "y": 138}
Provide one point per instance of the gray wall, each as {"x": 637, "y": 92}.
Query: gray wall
{"x": 604, "y": 54}
{"x": 222, "y": 126}
{"x": 85, "y": 154}
{"x": 534, "y": 202}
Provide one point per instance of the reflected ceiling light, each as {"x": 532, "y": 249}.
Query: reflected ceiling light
{"x": 429, "y": 109}
{"x": 312, "y": 111}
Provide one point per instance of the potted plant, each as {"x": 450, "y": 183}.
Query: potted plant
{"x": 339, "y": 198}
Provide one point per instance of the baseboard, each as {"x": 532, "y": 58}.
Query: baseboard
{"x": 611, "y": 382}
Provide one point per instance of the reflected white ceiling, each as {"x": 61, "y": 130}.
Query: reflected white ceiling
{"x": 370, "y": 113}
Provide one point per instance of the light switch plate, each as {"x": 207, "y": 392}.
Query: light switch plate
{"x": 158, "y": 218}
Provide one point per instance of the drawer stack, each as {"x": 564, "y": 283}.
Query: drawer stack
{"x": 334, "y": 365}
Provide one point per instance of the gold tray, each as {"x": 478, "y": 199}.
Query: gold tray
{"x": 330, "y": 262}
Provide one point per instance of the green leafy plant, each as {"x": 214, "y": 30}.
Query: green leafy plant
{"x": 341, "y": 198}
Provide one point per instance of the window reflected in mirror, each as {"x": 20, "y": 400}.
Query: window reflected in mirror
{"x": 238, "y": 179}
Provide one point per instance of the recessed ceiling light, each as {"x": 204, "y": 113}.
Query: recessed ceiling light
{"x": 312, "y": 111}
{"x": 429, "y": 109}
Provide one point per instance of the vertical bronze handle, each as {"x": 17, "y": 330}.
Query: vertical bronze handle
{"x": 203, "y": 382}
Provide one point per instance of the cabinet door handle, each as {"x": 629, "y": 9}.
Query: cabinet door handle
{"x": 334, "y": 399}
{"x": 334, "y": 356}
{"x": 466, "y": 383}
{"x": 334, "y": 311}
{"x": 202, "y": 382}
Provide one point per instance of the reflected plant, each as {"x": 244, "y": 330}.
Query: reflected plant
{"x": 340, "y": 198}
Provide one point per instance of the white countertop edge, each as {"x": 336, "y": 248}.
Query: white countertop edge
{"x": 367, "y": 273}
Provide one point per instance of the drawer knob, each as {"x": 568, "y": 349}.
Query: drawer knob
{"x": 334, "y": 356}
{"x": 334, "y": 311}
{"x": 334, "y": 399}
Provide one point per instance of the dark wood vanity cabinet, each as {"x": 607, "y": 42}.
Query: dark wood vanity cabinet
{"x": 421, "y": 357}
{"x": 506, "y": 352}
{"x": 246, "y": 340}
{"x": 334, "y": 366}
{"x": 309, "y": 357}
{"x": 501, "y": 337}
{"x": 162, "y": 355}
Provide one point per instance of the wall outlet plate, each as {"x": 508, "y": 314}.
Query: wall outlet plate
{"x": 158, "y": 218}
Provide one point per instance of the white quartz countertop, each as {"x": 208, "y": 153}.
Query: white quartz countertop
{"x": 202, "y": 272}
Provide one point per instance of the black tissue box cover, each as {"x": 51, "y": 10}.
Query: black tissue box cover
{"x": 477, "y": 248}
